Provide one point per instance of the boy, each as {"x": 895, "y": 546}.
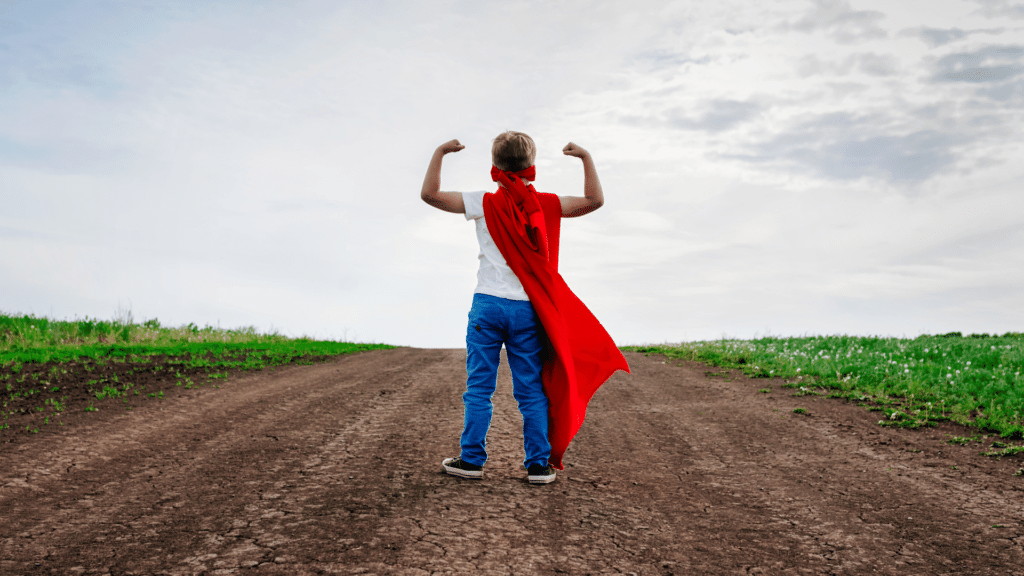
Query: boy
{"x": 558, "y": 352}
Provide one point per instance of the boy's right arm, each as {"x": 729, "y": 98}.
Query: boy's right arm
{"x": 431, "y": 192}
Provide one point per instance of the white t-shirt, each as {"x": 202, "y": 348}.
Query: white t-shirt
{"x": 494, "y": 277}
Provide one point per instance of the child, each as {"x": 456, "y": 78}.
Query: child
{"x": 558, "y": 352}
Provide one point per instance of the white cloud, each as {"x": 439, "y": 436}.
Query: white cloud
{"x": 1000, "y": 9}
{"x": 799, "y": 166}
{"x": 843, "y": 23}
{"x": 988, "y": 64}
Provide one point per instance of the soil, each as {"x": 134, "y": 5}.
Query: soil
{"x": 335, "y": 468}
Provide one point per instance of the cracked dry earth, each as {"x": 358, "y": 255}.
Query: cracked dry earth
{"x": 335, "y": 469}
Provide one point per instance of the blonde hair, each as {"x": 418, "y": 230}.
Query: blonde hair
{"x": 513, "y": 151}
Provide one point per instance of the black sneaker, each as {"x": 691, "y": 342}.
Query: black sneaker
{"x": 456, "y": 467}
{"x": 538, "y": 474}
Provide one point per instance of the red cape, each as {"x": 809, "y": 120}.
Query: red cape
{"x": 578, "y": 355}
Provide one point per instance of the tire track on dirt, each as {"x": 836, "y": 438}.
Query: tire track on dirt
{"x": 763, "y": 489}
{"x": 335, "y": 469}
{"x": 205, "y": 483}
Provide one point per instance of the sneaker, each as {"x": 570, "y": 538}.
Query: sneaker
{"x": 538, "y": 474}
{"x": 456, "y": 467}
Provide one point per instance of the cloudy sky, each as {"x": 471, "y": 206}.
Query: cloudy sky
{"x": 786, "y": 167}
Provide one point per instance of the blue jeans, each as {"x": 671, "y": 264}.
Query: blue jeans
{"x": 492, "y": 322}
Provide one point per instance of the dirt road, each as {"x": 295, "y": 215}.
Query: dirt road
{"x": 335, "y": 469}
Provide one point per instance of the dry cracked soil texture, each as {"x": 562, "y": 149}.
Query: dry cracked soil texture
{"x": 335, "y": 469}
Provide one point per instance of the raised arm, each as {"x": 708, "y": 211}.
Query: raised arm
{"x": 593, "y": 195}
{"x": 431, "y": 192}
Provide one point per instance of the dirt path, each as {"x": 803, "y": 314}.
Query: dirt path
{"x": 335, "y": 469}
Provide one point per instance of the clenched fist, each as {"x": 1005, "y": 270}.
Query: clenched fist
{"x": 574, "y": 150}
{"x": 450, "y": 146}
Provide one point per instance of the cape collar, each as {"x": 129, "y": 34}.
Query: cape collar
{"x": 520, "y": 207}
{"x": 516, "y": 186}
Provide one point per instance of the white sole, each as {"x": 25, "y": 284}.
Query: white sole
{"x": 541, "y": 479}
{"x": 459, "y": 472}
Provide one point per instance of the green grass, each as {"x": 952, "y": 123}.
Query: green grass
{"x": 49, "y": 367}
{"x": 972, "y": 380}
{"x": 1005, "y": 451}
{"x": 40, "y": 340}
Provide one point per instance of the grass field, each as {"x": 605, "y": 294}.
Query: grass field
{"x": 34, "y": 339}
{"x": 974, "y": 380}
{"x": 49, "y": 367}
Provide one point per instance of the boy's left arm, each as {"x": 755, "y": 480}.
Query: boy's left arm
{"x": 593, "y": 195}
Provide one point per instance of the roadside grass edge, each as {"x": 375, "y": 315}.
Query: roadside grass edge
{"x": 972, "y": 380}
